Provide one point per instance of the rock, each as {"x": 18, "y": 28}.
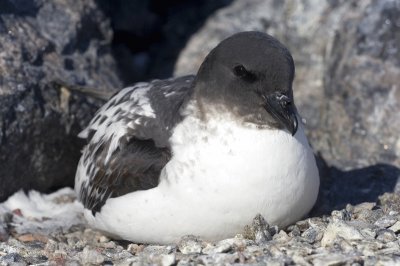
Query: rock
{"x": 217, "y": 259}
{"x": 340, "y": 229}
{"x": 220, "y": 247}
{"x": 109, "y": 245}
{"x": 282, "y": 236}
{"x": 12, "y": 259}
{"x": 368, "y": 233}
{"x": 367, "y": 230}
{"x": 226, "y": 245}
{"x": 369, "y": 216}
{"x": 342, "y": 215}
{"x": 42, "y": 42}
{"x": 104, "y": 239}
{"x": 167, "y": 260}
{"x": 91, "y": 256}
{"x": 396, "y": 227}
{"x": 363, "y": 64}
{"x": 294, "y": 230}
{"x": 386, "y": 235}
{"x": 4, "y": 235}
{"x": 385, "y": 221}
{"x": 390, "y": 202}
{"x": 303, "y": 225}
{"x": 259, "y": 231}
{"x": 364, "y": 206}
{"x": 335, "y": 259}
{"x": 32, "y": 237}
{"x": 135, "y": 248}
{"x": 190, "y": 245}
{"x": 345, "y": 246}
{"x": 159, "y": 249}
{"x": 312, "y": 234}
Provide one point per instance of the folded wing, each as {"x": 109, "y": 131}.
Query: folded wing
{"x": 128, "y": 140}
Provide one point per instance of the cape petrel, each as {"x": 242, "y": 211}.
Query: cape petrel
{"x": 201, "y": 155}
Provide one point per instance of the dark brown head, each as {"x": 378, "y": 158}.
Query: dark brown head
{"x": 251, "y": 74}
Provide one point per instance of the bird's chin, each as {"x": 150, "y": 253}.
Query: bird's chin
{"x": 259, "y": 122}
{"x": 254, "y": 125}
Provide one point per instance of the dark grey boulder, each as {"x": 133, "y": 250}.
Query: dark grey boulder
{"x": 42, "y": 43}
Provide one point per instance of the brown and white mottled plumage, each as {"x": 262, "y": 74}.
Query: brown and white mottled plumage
{"x": 202, "y": 154}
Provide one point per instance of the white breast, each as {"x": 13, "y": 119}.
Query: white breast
{"x": 221, "y": 175}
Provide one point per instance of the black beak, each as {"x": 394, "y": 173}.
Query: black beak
{"x": 281, "y": 108}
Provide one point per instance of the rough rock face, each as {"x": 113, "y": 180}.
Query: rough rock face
{"x": 346, "y": 87}
{"x": 362, "y": 88}
{"x": 42, "y": 42}
{"x": 347, "y": 69}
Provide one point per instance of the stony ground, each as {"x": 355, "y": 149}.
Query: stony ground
{"x": 365, "y": 234}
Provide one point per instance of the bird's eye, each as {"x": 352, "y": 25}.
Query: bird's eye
{"x": 240, "y": 71}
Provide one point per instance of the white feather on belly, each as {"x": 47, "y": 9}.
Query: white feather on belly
{"x": 221, "y": 175}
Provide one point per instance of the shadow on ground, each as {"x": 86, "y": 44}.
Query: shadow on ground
{"x": 339, "y": 188}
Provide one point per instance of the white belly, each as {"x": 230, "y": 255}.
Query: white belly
{"x": 221, "y": 175}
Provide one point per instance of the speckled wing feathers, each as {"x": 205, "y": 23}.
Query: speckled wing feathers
{"x": 128, "y": 140}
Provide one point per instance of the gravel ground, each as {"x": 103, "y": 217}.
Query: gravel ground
{"x": 365, "y": 234}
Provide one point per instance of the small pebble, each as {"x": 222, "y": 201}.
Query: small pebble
{"x": 32, "y": 237}
{"x": 103, "y": 239}
{"x": 294, "y": 231}
{"x": 363, "y": 206}
{"x": 91, "y": 256}
{"x": 303, "y": 225}
{"x": 386, "y": 235}
{"x": 221, "y": 247}
{"x": 261, "y": 230}
{"x": 282, "y": 236}
{"x": 311, "y": 234}
{"x": 385, "y": 221}
{"x": 109, "y": 245}
{"x": 134, "y": 248}
{"x": 12, "y": 259}
{"x": 167, "y": 260}
{"x": 341, "y": 215}
{"x": 396, "y": 227}
{"x": 340, "y": 229}
{"x": 190, "y": 245}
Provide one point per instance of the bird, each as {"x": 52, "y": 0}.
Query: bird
{"x": 201, "y": 154}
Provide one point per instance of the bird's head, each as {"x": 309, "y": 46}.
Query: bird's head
{"x": 251, "y": 74}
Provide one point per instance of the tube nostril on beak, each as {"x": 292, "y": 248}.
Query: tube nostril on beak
{"x": 283, "y": 99}
{"x": 281, "y": 108}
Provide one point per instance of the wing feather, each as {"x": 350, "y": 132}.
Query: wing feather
{"x": 128, "y": 140}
